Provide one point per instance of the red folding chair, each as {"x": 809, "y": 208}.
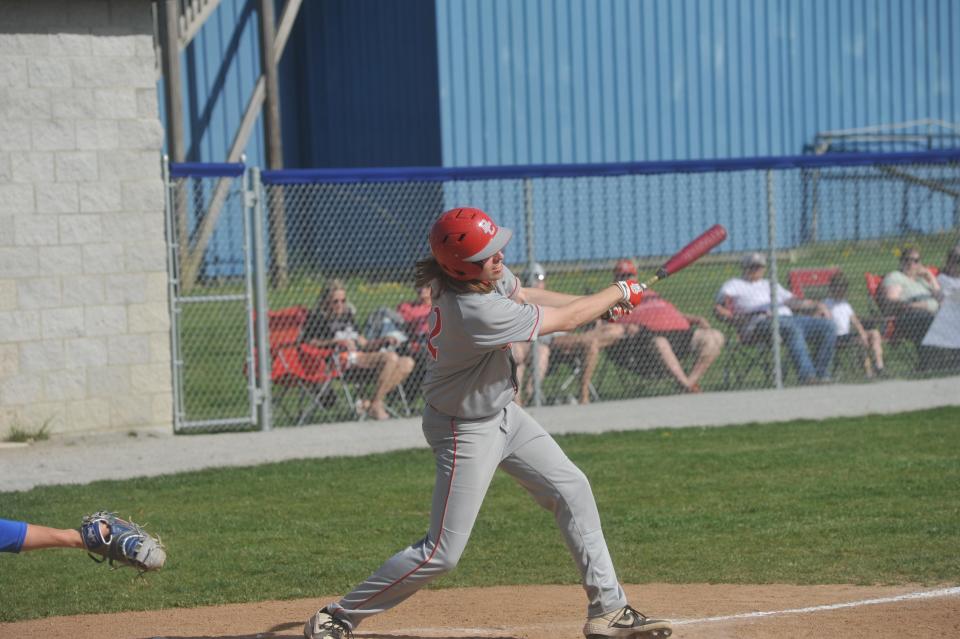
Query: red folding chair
{"x": 283, "y": 326}
{"x": 303, "y": 370}
{"x": 811, "y": 282}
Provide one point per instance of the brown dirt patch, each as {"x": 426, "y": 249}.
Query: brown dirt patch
{"x": 547, "y": 612}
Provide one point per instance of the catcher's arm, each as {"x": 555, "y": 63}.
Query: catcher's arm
{"x": 125, "y": 542}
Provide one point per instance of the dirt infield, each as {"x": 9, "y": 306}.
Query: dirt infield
{"x": 555, "y": 612}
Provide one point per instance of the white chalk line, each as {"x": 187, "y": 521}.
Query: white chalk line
{"x": 501, "y": 630}
{"x": 924, "y": 594}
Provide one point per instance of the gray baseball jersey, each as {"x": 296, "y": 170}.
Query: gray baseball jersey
{"x": 470, "y": 372}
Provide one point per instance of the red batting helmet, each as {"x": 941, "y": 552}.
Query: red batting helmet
{"x": 624, "y": 266}
{"x": 462, "y": 237}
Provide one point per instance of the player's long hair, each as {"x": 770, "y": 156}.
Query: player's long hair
{"x": 428, "y": 270}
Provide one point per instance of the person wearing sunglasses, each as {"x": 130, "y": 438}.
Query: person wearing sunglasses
{"x": 332, "y": 324}
{"x": 912, "y": 295}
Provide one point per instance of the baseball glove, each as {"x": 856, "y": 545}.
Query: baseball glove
{"x": 126, "y": 544}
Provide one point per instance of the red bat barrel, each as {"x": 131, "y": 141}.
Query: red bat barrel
{"x": 694, "y": 250}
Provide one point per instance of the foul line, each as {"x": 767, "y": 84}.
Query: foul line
{"x": 499, "y": 630}
{"x": 925, "y": 594}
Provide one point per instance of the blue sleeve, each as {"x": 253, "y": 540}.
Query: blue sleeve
{"x": 12, "y": 534}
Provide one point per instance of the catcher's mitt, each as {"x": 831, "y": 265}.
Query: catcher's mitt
{"x": 127, "y": 543}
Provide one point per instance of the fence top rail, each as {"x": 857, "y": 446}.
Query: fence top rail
{"x": 206, "y": 169}
{"x": 443, "y": 174}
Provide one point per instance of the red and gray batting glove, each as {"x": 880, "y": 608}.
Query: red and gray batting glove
{"x": 632, "y": 291}
{"x": 126, "y": 543}
{"x": 615, "y": 313}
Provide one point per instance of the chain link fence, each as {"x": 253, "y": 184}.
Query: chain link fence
{"x": 338, "y": 248}
{"x": 211, "y": 297}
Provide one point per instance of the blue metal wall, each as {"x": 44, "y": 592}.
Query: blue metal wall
{"x": 558, "y": 81}
{"x": 359, "y": 85}
{"x": 492, "y": 82}
{"x": 219, "y": 70}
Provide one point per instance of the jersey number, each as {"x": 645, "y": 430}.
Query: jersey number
{"x": 436, "y": 331}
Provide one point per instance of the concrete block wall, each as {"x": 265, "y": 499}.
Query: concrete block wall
{"x": 84, "y": 327}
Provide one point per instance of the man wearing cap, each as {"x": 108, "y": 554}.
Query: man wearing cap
{"x": 745, "y": 303}
{"x": 657, "y": 330}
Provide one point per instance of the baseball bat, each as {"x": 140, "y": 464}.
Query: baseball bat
{"x": 700, "y": 246}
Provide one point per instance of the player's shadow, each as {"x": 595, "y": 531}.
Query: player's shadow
{"x": 360, "y": 635}
{"x": 280, "y": 631}
{"x": 377, "y": 635}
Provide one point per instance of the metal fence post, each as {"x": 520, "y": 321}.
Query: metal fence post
{"x": 172, "y": 293}
{"x": 774, "y": 286}
{"x": 254, "y": 198}
{"x": 535, "y": 353}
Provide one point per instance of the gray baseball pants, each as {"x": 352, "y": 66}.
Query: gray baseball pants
{"x": 467, "y": 453}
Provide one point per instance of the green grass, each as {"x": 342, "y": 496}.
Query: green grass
{"x": 858, "y": 500}
{"x": 20, "y": 433}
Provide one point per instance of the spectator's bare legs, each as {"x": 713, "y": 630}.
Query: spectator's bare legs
{"x": 43, "y": 537}
{"x": 669, "y": 358}
{"x": 522, "y": 354}
{"x": 543, "y": 363}
{"x": 591, "y": 355}
{"x": 876, "y": 347}
{"x": 393, "y": 370}
{"x": 707, "y": 343}
{"x": 589, "y": 344}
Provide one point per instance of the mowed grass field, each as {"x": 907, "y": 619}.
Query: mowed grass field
{"x": 871, "y": 500}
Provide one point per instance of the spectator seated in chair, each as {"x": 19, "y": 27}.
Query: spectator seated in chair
{"x": 912, "y": 295}
{"x": 331, "y": 323}
{"x": 586, "y": 344}
{"x": 416, "y": 322}
{"x": 658, "y": 336}
{"x": 745, "y": 303}
{"x": 940, "y": 348}
{"x": 844, "y": 318}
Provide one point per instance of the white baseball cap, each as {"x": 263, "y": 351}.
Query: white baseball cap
{"x": 753, "y": 259}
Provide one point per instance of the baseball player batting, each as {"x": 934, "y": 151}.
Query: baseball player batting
{"x": 474, "y": 427}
